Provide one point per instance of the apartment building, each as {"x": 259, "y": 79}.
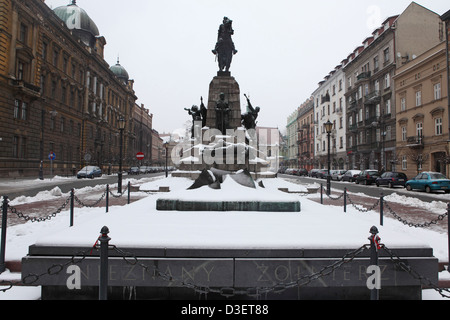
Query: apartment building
{"x": 305, "y": 139}
{"x": 291, "y": 136}
{"x": 422, "y": 113}
{"x": 58, "y": 94}
{"x": 329, "y": 105}
{"x": 371, "y": 99}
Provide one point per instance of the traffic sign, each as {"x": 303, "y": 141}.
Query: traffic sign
{"x": 52, "y": 156}
{"x": 140, "y": 156}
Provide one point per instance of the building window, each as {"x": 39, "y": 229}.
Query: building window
{"x": 437, "y": 91}
{"x": 404, "y": 137}
{"x": 418, "y": 98}
{"x": 388, "y": 106}
{"x": 403, "y": 104}
{"x": 386, "y": 55}
{"x": 23, "y": 33}
{"x": 404, "y": 163}
{"x": 15, "y": 147}
{"x": 20, "y": 110}
{"x": 388, "y": 133}
{"x": 438, "y": 126}
{"x": 419, "y": 129}
{"x": 376, "y": 64}
{"x": 387, "y": 80}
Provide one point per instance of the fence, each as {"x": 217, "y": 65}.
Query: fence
{"x": 103, "y": 245}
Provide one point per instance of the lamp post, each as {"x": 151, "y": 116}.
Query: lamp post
{"x": 328, "y": 129}
{"x": 166, "y": 147}
{"x": 121, "y": 128}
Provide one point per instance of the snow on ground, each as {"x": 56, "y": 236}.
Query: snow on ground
{"x": 141, "y": 225}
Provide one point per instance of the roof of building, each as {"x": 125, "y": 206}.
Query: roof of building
{"x": 76, "y": 18}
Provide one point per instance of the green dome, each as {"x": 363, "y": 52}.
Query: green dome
{"x": 120, "y": 72}
{"x": 78, "y": 20}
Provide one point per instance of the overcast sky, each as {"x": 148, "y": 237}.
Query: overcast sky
{"x": 286, "y": 47}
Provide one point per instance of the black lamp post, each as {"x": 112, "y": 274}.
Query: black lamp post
{"x": 328, "y": 129}
{"x": 166, "y": 147}
{"x": 121, "y": 128}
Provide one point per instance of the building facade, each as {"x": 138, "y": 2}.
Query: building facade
{"x": 292, "y": 159}
{"x": 58, "y": 95}
{"x": 422, "y": 113}
{"x": 330, "y": 106}
{"x": 305, "y": 139}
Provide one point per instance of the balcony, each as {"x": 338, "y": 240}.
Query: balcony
{"x": 26, "y": 88}
{"x": 416, "y": 142}
{"x": 363, "y": 76}
{"x": 373, "y": 97}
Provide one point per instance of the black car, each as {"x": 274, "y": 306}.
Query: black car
{"x": 367, "y": 177}
{"x": 322, "y": 174}
{"x": 392, "y": 179}
{"x": 302, "y": 172}
{"x": 133, "y": 170}
{"x": 313, "y": 173}
{"x": 350, "y": 175}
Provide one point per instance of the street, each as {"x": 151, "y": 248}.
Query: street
{"x": 371, "y": 190}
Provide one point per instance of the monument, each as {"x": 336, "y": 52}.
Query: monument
{"x": 222, "y": 137}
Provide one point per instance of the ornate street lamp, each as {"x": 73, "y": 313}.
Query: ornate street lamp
{"x": 328, "y": 129}
{"x": 121, "y": 128}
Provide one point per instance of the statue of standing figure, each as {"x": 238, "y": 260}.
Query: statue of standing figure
{"x": 222, "y": 114}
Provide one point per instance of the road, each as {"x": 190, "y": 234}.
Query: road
{"x": 26, "y": 187}
{"x": 372, "y": 190}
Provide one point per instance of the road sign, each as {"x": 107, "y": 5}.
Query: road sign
{"x": 140, "y": 156}
{"x": 52, "y": 156}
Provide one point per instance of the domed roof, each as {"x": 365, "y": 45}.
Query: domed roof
{"x": 76, "y": 18}
{"x": 120, "y": 72}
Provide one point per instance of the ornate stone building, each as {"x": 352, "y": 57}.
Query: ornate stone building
{"x": 58, "y": 94}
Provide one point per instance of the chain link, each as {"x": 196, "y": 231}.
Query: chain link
{"x": 38, "y": 219}
{"x": 417, "y": 225}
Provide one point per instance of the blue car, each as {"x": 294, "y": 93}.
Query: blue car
{"x": 429, "y": 181}
{"x": 89, "y": 172}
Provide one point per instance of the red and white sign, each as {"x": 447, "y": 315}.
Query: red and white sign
{"x": 140, "y": 156}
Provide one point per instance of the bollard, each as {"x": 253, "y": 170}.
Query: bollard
{"x": 321, "y": 193}
{"x": 381, "y": 208}
{"x": 374, "y": 246}
{"x": 129, "y": 191}
{"x": 72, "y": 196}
{"x": 104, "y": 243}
{"x": 3, "y": 240}
{"x": 345, "y": 199}
{"x": 107, "y": 197}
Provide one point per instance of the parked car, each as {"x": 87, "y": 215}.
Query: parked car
{"x": 313, "y": 173}
{"x": 133, "y": 170}
{"x": 302, "y": 172}
{"x": 367, "y": 177}
{"x": 89, "y": 172}
{"x": 322, "y": 174}
{"x": 337, "y": 174}
{"x": 144, "y": 169}
{"x": 350, "y": 175}
{"x": 392, "y": 179}
{"x": 429, "y": 181}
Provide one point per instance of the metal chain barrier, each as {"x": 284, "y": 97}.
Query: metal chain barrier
{"x": 363, "y": 209}
{"x": 417, "y": 225}
{"x": 89, "y": 205}
{"x": 35, "y": 219}
{"x": 131, "y": 259}
{"x": 423, "y": 280}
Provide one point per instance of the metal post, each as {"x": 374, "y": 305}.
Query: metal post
{"x": 3, "y": 241}
{"x": 345, "y": 199}
{"x": 129, "y": 190}
{"x": 104, "y": 243}
{"x": 107, "y": 197}
{"x": 321, "y": 193}
{"x": 374, "y": 239}
{"x": 119, "y": 182}
{"x": 72, "y": 196}
{"x": 381, "y": 208}
{"x": 329, "y": 166}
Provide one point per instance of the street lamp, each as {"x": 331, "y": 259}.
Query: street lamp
{"x": 166, "y": 147}
{"x": 328, "y": 129}
{"x": 121, "y": 128}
